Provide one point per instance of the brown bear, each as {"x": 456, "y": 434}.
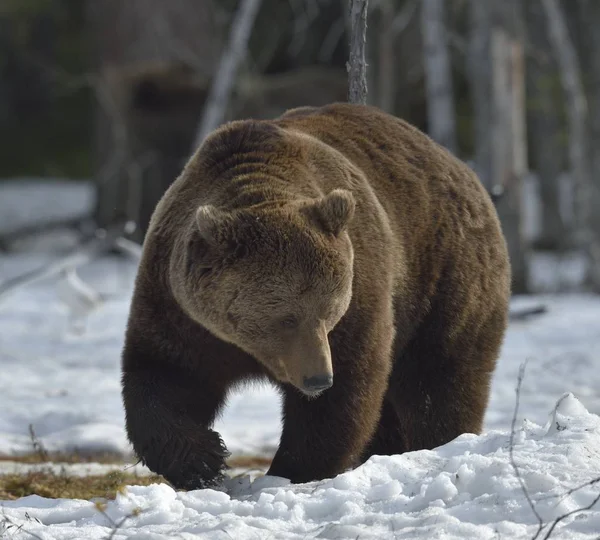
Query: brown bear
{"x": 339, "y": 253}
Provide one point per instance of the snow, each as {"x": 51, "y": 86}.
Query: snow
{"x": 60, "y": 374}
{"x": 466, "y": 489}
{"x": 27, "y": 201}
{"x": 70, "y": 469}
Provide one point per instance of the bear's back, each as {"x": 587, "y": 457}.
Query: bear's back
{"x": 438, "y": 210}
{"x": 409, "y": 172}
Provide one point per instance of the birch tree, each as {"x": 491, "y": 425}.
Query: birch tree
{"x": 545, "y": 128}
{"x": 501, "y": 160}
{"x": 438, "y": 75}
{"x": 578, "y": 149}
{"x": 235, "y": 51}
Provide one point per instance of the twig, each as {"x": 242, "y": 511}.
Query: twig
{"x": 357, "y": 64}
{"x": 573, "y": 490}
{"x": 568, "y": 514}
{"x": 13, "y": 524}
{"x": 541, "y": 524}
{"x": 38, "y": 447}
{"x": 511, "y": 451}
{"x": 116, "y": 525}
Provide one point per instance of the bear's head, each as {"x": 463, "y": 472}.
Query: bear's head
{"x": 273, "y": 280}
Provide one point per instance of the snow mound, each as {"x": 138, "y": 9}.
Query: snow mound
{"x": 462, "y": 490}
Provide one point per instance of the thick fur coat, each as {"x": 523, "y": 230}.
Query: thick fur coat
{"x": 343, "y": 255}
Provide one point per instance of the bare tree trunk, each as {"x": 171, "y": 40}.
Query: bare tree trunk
{"x": 497, "y": 82}
{"x": 590, "y": 18}
{"x": 235, "y": 51}
{"x": 357, "y": 64}
{"x": 480, "y": 77}
{"x": 385, "y": 68}
{"x": 545, "y": 129}
{"x": 579, "y": 156}
{"x": 438, "y": 75}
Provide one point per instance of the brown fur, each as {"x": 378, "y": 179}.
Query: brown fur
{"x": 333, "y": 240}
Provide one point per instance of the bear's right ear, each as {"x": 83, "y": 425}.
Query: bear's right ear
{"x": 208, "y": 237}
{"x": 334, "y": 211}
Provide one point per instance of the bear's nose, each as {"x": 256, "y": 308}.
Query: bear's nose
{"x": 317, "y": 383}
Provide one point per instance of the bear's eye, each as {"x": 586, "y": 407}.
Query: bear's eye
{"x": 289, "y": 322}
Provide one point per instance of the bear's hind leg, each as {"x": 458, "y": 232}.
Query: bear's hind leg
{"x": 437, "y": 392}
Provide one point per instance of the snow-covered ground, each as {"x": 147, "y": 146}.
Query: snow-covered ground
{"x": 60, "y": 374}
{"x": 66, "y": 383}
{"x": 466, "y": 489}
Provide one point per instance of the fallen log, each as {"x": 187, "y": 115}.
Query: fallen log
{"x": 526, "y": 313}
{"x": 103, "y": 241}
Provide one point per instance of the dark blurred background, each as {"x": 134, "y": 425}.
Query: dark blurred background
{"x": 107, "y": 96}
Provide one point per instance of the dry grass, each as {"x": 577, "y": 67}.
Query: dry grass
{"x": 71, "y": 457}
{"x": 249, "y": 462}
{"x": 47, "y": 483}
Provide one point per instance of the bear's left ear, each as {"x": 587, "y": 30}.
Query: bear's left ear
{"x": 334, "y": 211}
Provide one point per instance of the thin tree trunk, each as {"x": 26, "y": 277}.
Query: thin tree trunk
{"x": 496, "y": 73}
{"x": 509, "y": 161}
{"x": 357, "y": 64}
{"x": 579, "y": 156}
{"x": 438, "y": 75}
{"x": 545, "y": 128}
{"x": 590, "y": 20}
{"x": 480, "y": 77}
{"x": 235, "y": 51}
{"x": 386, "y": 71}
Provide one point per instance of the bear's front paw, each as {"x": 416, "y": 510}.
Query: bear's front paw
{"x": 188, "y": 463}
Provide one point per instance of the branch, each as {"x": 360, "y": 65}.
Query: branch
{"x": 8, "y": 525}
{"x": 115, "y": 525}
{"x": 404, "y": 17}
{"x": 572, "y": 512}
{"x": 12, "y": 236}
{"x": 525, "y": 313}
{"x": 129, "y": 247}
{"x": 220, "y": 91}
{"x": 103, "y": 241}
{"x": 331, "y": 40}
{"x": 357, "y": 64}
